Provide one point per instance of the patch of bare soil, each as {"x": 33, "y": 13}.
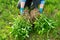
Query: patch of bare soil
{"x": 31, "y": 15}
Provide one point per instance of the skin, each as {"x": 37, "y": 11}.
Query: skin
{"x": 22, "y": 4}
{"x": 41, "y": 5}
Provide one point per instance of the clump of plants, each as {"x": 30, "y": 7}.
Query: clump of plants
{"x": 44, "y": 25}
{"x": 21, "y": 28}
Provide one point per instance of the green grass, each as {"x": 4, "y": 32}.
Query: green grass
{"x": 9, "y": 11}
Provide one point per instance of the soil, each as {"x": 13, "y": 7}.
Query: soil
{"x": 31, "y": 15}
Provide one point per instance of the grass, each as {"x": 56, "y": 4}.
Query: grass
{"x": 9, "y": 11}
